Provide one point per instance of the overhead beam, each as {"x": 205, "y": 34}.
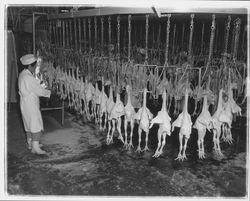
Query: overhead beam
{"x": 203, "y": 10}
{"x": 135, "y": 10}
{"x": 102, "y": 12}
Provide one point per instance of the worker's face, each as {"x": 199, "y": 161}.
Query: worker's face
{"x": 32, "y": 67}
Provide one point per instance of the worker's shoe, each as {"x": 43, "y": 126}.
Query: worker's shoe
{"x": 36, "y": 148}
{"x": 29, "y": 142}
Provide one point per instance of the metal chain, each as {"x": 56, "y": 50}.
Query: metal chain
{"x": 173, "y": 46}
{"x": 70, "y": 29}
{"x": 49, "y": 31}
{"x": 109, "y": 45}
{"x": 227, "y": 33}
{"x": 118, "y": 36}
{"x": 159, "y": 36}
{"x": 75, "y": 34}
{"x": 80, "y": 34}
{"x": 159, "y": 42}
{"x": 89, "y": 21}
{"x": 191, "y": 37}
{"x": 211, "y": 39}
{"x": 202, "y": 37}
{"x": 153, "y": 35}
{"x": 63, "y": 26}
{"x": 236, "y": 40}
{"x": 69, "y": 34}
{"x": 167, "y": 40}
{"x": 182, "y": 36}
{"x": 54, "y": 31}
{"x": 95, "y": 22}
{"x": 66, "y": 33}
{"x": 129, "y": 36}
{"x": 232, "y": 40}
{"x": 84, "y": 35}
{"x": 102, "y": 30}
{"x": 216, "y": 39}
{"x": 146, "y": 40}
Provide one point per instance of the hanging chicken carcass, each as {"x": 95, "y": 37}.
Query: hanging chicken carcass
{"x": 164, "y": 121}
{"x": 129, "y": 118}
{"x": 144, "y": 116}
{"x": 103, "y": 108}
{"x": 116, "y": 113}
{"x": 184, "y": 122}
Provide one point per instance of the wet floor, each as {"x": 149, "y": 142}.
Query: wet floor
{"x": 80, "y": 163}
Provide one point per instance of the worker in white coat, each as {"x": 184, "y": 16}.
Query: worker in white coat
{"x": 30, "y": 90}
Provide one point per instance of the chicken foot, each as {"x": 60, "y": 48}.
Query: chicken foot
{"x": 118, "y": 126}
{"x": 182, "y": 152}
{"x": 110, "y": 137}
{"x": 139, "y": 140}
{"x": 130, "y": 145}
{"x": 161, "y": 143}
{"x": 216, "y": 140}
{"x": 200, "y": 143}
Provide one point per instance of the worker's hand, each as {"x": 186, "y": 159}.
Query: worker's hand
{"x": 49, "y": 94}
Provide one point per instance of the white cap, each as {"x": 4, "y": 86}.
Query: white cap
{"x": 28, "y": 59}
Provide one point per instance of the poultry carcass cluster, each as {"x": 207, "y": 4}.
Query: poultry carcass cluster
{"x": 85, "y": 96}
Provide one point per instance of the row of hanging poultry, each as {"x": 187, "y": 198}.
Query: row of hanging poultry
{"x": 221, "y": 81}
{"x": 86, "y": 98}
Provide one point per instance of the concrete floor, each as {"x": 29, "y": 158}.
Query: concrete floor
{"x": 80, "y": 163}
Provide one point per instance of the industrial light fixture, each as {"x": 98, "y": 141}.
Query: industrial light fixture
{"x": 156, "y": 11}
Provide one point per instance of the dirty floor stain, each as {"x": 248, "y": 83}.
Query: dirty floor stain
{"x": 80, "y": 163}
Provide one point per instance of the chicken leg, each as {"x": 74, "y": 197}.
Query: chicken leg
{"x": 200, "y": 143}
{"x": 146, "y": 142}
{"x": 125, "y": 131}
{"x": 139, "y": 140}
{"x": 216, "y": 140}
{"x": 179, "y": 157}
{"x": 157, "y": 152}
{"x": 119, "y": 123}
{"x": 110, "y": 138}
{"x": 131, "y": 135}
{"x": 184, "y": 148}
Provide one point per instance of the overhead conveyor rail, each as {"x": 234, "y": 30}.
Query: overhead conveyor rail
{"x": 103, "y": 11}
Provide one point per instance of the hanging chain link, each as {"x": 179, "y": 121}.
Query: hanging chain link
{"x": 182, "y": 36}
{"x": 167, "y": 40}
{"x": 95, "y": 22}
{"x": 80, "y": 34}
{"x": 211, "y": 39}
{"x": 109, "y": 45}
{"x": 75, "y": 34}
{"x": 146, "y": 40}
{"x": 191, "y": 37}
{"x": 202, "y": 37}
{"x": 129, "y": 36}
{"x": 236, "y": 40}
{"x": 159, "y": 42}
{"x": 227, "y": 33}
{"x": 84, "y": 35}
{"x": 118, "y": 37}
{"x": 233, "y": 38}
{"x": 173, "y": 46}
{"x": 66, "y": 33}
{"x": 102, "y": 30}
{"x": 63, "y": 26}
{"x": 89, "y": 21}
{"x": 71, "y": 33}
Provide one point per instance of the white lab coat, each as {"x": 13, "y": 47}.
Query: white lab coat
{"x": 30, "y": 90}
